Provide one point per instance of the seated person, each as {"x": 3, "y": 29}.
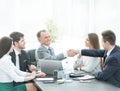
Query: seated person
{"x": 47, "y": 52}
{"x": 9, "y": 72}
{"x": 89, "y": 64}
{"x": 19, "y": 57}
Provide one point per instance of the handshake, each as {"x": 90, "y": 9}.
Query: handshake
{"x": 72, "y": 52}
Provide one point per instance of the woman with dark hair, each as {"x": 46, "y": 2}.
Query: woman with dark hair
{"x": 9, "y": 73}
{"x": 89, "y": 64}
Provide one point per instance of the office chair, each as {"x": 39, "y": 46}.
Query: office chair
{"x": 31, "y": 55}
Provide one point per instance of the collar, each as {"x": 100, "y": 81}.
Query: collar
{"x": 17, "y": 52}
{"x": 46, "y": 46}
{"x": 109, "y": 51}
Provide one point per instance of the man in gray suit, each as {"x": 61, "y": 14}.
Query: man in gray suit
{"x": 47, "y": 52}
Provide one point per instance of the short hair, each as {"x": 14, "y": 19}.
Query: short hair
{"x": 39, "y": 33}
{"x": 16, "y": 36}
{"x": 5, "y": 45}
{"x": 109, "y": 36}
{"x": 94, "y": 40}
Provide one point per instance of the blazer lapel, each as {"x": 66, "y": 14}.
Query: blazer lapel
{"x": 114, "y": 50}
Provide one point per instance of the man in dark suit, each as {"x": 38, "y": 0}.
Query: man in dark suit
{"x": 47, "y": 52}
{"x": 24, "y": 62}
{"x": 19, "y": 56}
{"x": 111, "y": 56}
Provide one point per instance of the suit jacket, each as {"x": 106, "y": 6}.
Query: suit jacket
{"x": 111, "y": 70}
{"x": 23, "y": 60}
{"x": 43, "y": 53}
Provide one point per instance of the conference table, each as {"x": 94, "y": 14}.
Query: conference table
{"x": 75, "y": 85}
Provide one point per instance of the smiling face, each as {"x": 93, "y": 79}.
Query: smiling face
{"x": 45, "y": 38}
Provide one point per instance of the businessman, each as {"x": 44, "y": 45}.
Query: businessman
{"x": 111, "y": 56}
{"x": 47, "y": 52}
{"x": 19, "y": 56}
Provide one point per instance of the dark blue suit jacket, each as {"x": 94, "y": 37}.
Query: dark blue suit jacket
{"x": 111, "y": 70}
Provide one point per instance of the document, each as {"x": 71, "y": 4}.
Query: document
{"x": 86, "y": 77}
{"x": 45, "y": 79}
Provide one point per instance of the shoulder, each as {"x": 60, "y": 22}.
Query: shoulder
{"x": 5, "y": 59}
{"x": 23, "y": 52}
{"x": 42, "y": 48}
{"x": 114, "y": 58}
{"x": 116, "y": 52}
{"x": 12, "y": 53}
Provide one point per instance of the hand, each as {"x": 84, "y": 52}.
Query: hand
{"x": 77, "y": 51}
{"x": 33, "y": 74}
{"x": 32, "y": 68}
{"x": 81, "y": 66}
{"x": 79, "y": 56}
{"x": 40, "y": 74}
{"x": 30, "y": 76}
{"x": 71, "y": 52}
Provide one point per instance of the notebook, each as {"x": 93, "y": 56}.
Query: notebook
{"x": 48, "y": 66}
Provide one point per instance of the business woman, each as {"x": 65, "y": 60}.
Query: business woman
{"x": 86, "y": 63}
{"x": 9, "y": 73}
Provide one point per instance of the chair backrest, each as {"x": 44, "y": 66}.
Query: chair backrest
{"x": 31, "y": 55}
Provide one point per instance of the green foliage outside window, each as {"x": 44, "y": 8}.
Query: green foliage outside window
{"x": 51, "y": 27}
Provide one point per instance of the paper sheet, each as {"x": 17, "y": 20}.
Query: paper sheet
{"x": 86, "y": 77}
{"x": 44, "y": 79}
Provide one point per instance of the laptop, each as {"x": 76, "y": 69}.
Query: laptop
{"x": 49, "y": 66}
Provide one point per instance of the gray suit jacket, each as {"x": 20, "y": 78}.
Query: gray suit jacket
{"x": 43, "y": 53}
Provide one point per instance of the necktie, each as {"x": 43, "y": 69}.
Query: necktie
{"x": 102, "y": 61}
{"x": 50, "y": 51}
{"x": 105, "y": 57}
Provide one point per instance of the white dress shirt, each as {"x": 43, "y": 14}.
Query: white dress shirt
{"x": 91, "y": 64}
{"x": 8, "y": 71}
{"x": 17, "y": 59}
{"x": 109, "y": 51}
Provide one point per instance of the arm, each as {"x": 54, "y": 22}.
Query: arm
{"x": 93, "y": 53}
{"x": 43, "y": 54}
{"x": 14, "y": 73}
